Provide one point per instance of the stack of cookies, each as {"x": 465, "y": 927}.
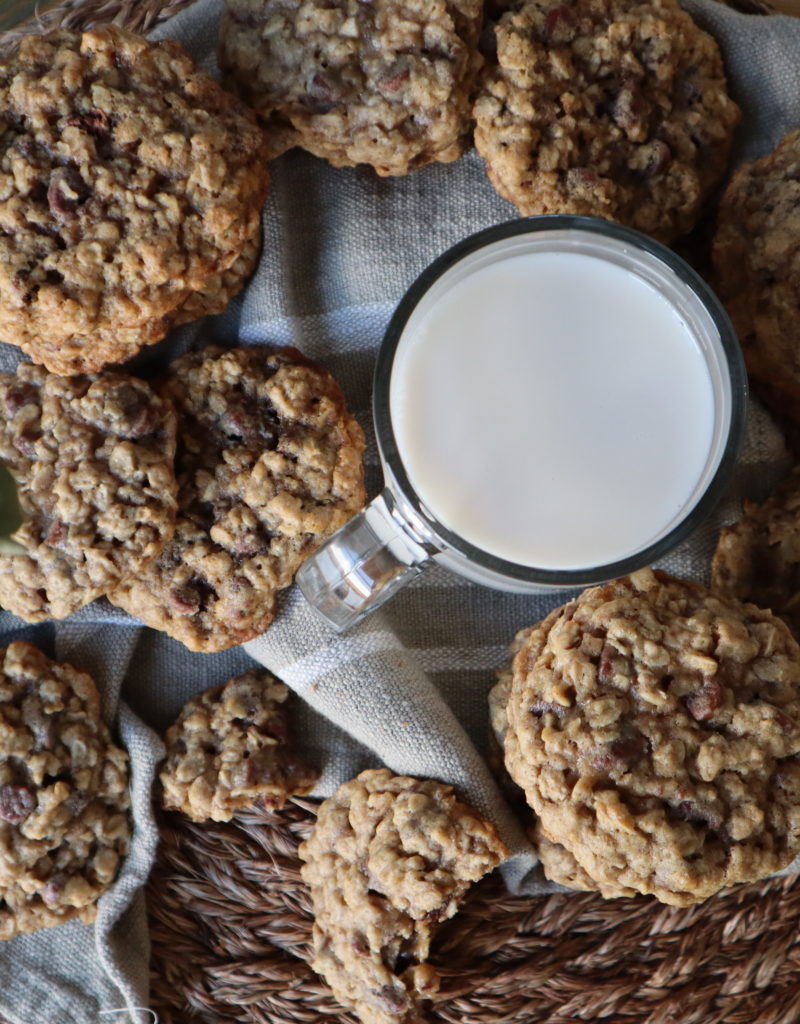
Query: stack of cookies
{"x": 131, "y": 188}
{"x": 654, "y": 728}
{"x": 195, "y": 541}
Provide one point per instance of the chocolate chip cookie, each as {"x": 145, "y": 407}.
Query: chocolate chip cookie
{"x": 654, "y": 727}
{"x": 63, "y": 794}
{"x": 389, "y": 858}
{"x": 92, "y": 458}
{"x": 129, "y": 182}
{"x": 231, "y": 748}
{"x": 375, "y": 83}
{"x": 268, "y": 466}
{"x": 756, "y": 259}
{"x": 758, "y": 557}
{"x": 605, "y": 108}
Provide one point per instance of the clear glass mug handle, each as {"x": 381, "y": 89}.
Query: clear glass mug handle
{"x": 364, "y": 563}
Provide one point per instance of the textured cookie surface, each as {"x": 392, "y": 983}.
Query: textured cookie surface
{"x": 63, "y": 794}
{"x": 389, "y": 858}
{"x": 655, "y": 729}
{"x": 379, "y": 83}
{"x": 557, "y": 863}
{"x": 129, "y": 180}
{"x": 93, "y": 461}
{"x": 756, "y": 257}
{"x": 219, "y": 289}
{"x": 758, "y": 558}
{"x": 561, "y": 867}
{"x": 605, "y": 108}
{"x": 268, "y": 465}
{"x": 230, "y": 747}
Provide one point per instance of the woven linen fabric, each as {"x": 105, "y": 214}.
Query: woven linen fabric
{"x": 407, "y": 687}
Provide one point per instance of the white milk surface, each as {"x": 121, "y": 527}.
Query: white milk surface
{"x": 552, "y": 409}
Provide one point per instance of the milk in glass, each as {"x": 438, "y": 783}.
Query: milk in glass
{"x": 553, "y": 409}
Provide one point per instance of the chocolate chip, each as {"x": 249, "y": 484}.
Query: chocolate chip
{"x": 16, "y": 803}
{"x": 609, "y": 658}
{"x": 631, "y": 746}
{"x": 624, "y": 752}
{"x": 94, "y": 122}
{"x": 66, "y": 192}
{"x": 139, "y": 414}
{"x": 51, "y": 893}
{"x": 630, "y": 108}
{"x": 19, "y": 395}
{"x": 658, "y": 157}
{"x": 57, "y": 533}
{"x": 251, "y": 421}
{"x": 393, "y": 83}
{"x": 702, "y": 704}
{"x": 192, "y": 597}
{"x": 25, "y": 443}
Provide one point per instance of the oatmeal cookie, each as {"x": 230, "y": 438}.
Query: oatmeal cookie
{"x": 389, "y": 858}
{"x": 92, "y": 457}
{"x": 655, "y": 728}
{"x": 231, "y": 748}
{"x": 63, "y": 794}
{"x": 605, "y": 108}
{"x": 268, "y": 465}
{"x": 557, "y": 863}
{"x": 756, "y": 260}
{"x": 758, "y": 558}
{"x": 375, "y": 83}
{"x": 129, "y": 181}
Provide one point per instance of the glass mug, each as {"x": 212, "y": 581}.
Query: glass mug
{"x": 558, "y": 401}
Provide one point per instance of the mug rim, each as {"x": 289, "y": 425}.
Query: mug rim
{"x": 453, "y": 542}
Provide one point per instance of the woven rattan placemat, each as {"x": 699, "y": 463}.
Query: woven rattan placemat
{"x": 230, "y": 919}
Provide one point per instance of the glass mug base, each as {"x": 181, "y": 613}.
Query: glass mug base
{"x": 557, "y": 401}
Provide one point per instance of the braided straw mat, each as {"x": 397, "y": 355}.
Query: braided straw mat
{"x": 230, "y": 918}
